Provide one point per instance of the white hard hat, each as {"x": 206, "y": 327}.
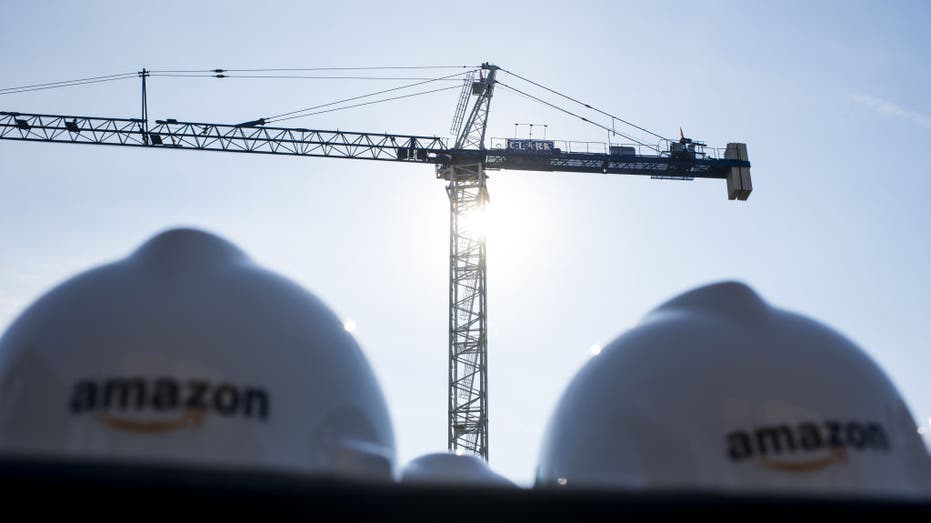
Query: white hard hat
{"x": 188, "y": 353}
{"x": 717, "y": 390}
{"x": 447, "y": 468}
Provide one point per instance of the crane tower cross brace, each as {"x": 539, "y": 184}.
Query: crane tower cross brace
{"x": 461, "y": 165}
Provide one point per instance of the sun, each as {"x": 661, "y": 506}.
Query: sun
{"x": 476, "y": 222}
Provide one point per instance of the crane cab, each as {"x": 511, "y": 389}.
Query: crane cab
{"x": 686, "y": 149}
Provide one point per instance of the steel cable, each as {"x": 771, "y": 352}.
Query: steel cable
{"x": 67, "y": 83}
{"x": 596, "y": 124}
{"x": 364, "y": 103}
{"x": 541, "y": 86}
{"x": 376, "y": 93}
{"x": 309, "y": 69}
{"x": 294, "y": 77}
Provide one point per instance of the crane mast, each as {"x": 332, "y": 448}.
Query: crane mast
{"x": 461, "y": 165}
{"x": 468, "y": 319}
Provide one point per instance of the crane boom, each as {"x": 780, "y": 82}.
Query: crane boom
{"x": 172, "y": 134}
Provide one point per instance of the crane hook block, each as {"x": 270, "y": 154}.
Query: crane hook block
{"x": 738, "y": 178}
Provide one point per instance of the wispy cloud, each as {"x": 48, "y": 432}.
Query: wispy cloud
{"x": 893, "y": 110}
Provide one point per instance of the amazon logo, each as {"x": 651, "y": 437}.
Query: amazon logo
{"x": 807, "y": 446}
{"x": 166, "y": 404}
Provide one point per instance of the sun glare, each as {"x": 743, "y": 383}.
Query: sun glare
{"x": 476, "y": 222}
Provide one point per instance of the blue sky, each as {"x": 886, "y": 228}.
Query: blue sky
{"x": 830, "y": 98}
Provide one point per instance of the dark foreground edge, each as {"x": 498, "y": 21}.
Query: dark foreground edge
{"x": 132, "y": 493}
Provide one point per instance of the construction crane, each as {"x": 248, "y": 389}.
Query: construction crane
{"x": 462, "y": 165}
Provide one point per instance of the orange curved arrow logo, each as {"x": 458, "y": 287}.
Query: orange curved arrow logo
{"x": 836, "y": 456}
{"x": 192, "y": 417}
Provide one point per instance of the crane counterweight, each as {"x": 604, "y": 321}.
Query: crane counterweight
{"x": 739, "y": 185}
